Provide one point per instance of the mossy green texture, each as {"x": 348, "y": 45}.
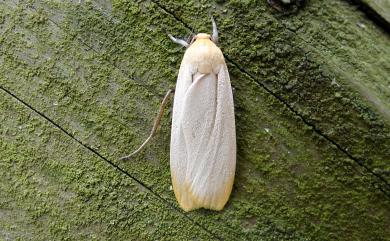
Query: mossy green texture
{"x": 52, "y": 188}
{"x": 99, "y": 71}
{"x": 327, "y": 61}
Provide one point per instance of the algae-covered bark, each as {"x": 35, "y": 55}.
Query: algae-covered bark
{"x": 52, "y": 188}
{"x": 381, "y": 7}
{"x": 99, "y": 70}
{"x": 327, "y": 62}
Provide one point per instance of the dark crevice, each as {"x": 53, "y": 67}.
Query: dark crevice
{"x": 214, "y": 236}
{"x": 173, "y": 15}
{"x": 385, "y": 189}
{"x": 108, "y": 161}
{"x": 95, "y": 151}
{"x": 376, "y": 17}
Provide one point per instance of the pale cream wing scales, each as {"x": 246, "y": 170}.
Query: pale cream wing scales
{"x": 178, "y": 152}
{"x": 208, "y": 127}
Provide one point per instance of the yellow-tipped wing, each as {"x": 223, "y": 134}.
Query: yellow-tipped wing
{"x": 203, "y": 139}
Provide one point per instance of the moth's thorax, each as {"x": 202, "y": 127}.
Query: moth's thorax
{"x": 202, "y": 36}
{"x": 203, "y": 55}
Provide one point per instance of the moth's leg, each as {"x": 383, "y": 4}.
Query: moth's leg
{"x": 178, "y": 41}
{"x": 156, "y": 124}
{"x": 214, "y": 36}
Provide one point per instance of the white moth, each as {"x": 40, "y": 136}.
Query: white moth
{"x": 203, "y": 136}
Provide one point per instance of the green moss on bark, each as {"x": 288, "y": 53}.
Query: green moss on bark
{"x": 52, "y": 188}
{"x": 328, "y": 62}
{"x": 99, "y": 71}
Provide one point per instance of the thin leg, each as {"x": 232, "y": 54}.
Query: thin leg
{"x": 155, "y": 126}
{"x": 214, "y": 37}
{"x": 178, "y": 41}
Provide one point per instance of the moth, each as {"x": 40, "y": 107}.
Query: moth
{"x": 203, "y": 136}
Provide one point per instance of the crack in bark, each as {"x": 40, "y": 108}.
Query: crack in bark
{"x": 214, "y": 236}
{"x": 107, "y": 160}
{"x": 372, "y": 14}
{"x": 284, "y": 102}
{"x": 385, "y": 190}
